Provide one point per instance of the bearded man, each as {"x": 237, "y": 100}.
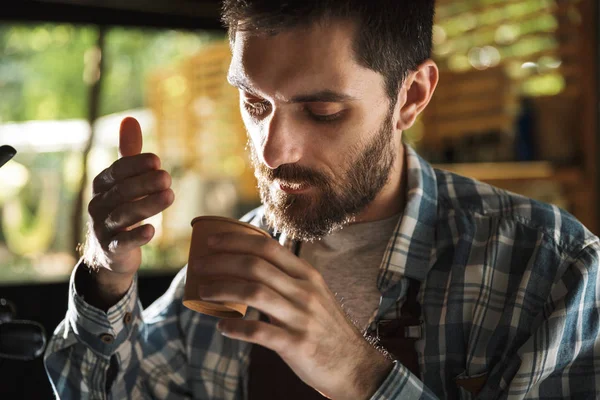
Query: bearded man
{"x": 384, "y": 277}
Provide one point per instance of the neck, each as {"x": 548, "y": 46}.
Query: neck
{"x": 392, "y": 197}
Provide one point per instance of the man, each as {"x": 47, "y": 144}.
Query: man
{"x": 500, "y": 291}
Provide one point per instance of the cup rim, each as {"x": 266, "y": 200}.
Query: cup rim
{"x": 229, "y": 220}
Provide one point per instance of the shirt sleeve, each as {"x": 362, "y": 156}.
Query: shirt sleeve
{"x": 93, "y": 353}
{"x": 402, "y": 384}
{"x": 560, "y": 358}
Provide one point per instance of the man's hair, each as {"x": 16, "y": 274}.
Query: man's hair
{"x": 393, "y": 36}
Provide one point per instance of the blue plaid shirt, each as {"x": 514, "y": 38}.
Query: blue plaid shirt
{"x": 509, "y": 296}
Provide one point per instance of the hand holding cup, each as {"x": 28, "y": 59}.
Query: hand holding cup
{"x": 202, "y": 228}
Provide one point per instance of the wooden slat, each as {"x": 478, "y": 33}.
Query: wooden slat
{"x": 515, "y": 171}
{"x": 465, "y": 106}
{"x": 473, "y": 125}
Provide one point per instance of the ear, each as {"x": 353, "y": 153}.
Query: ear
{"x": 416, "y": 92}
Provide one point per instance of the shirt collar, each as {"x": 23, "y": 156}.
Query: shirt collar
{"x": 410, "y": 251}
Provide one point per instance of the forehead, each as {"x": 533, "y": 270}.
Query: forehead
{"x": 317, "y": 57}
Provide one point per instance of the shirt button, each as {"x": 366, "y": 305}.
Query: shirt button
{"x": 127, "y": 318}
{"x": 107, "y": 338}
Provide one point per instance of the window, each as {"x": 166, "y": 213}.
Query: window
{"x": 46, "y": 73}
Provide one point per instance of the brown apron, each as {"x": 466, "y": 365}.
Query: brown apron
{"x": 271, "y": 379}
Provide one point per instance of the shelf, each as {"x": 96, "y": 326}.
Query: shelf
{"x": 515, "y": 171}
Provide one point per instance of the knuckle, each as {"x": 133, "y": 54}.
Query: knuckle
{"x": 166, "y": 197}
{"x": 93, "y": 206}
{"x": 151, "y": 160}
{"x": 118, "y": 192}
{"x": 99, "y": 181}
{"x": 163, "y": 179}
{"x": 110, "y": 173}
{"x": 314, "y": 275}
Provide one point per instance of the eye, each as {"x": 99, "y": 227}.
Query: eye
{"x": 325, "y": 112}
{"x": 256, "y": 107}
{"x": 327, "y": 117}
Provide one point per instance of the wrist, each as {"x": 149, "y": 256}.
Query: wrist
{"x": 102, "y": 288}
{"x": 371, "y": 374}
{"x": 112, "y": 283}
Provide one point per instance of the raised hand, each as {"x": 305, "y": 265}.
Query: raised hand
{"x": 131, "y": 190}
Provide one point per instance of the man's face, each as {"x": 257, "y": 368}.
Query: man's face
{"x": 320, "y": 127}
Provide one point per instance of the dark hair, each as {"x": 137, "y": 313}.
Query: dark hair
{"x": 393, "y": 36}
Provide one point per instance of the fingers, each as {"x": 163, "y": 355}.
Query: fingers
{"x": 135, "y": 188}
{"x": 261, "y": 333}
{"x": 128, "y": 214}
{"x": 254, "y": 295}
{"x": 125, "y": 168}
{"x": 126, "y": 241}
{"x": 266, "y": 248}
{"x": 250, "y": 268}
{"x": 130, "y": 137}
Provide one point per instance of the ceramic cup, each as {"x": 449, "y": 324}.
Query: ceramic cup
{"x": 202, "y": 228}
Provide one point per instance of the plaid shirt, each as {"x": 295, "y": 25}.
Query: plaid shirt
{"x": 509, "y": 296}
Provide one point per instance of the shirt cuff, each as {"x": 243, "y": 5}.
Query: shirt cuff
{"x": 400, "y": 383}
{"x": 101, "y": 331}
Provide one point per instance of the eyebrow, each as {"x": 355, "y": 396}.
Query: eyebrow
{"x": 322, "y": 96}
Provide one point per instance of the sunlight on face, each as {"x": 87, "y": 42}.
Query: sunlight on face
{"x": 320, "y": 127}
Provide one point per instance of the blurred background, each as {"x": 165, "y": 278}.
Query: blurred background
{"x": 517, "y": 106}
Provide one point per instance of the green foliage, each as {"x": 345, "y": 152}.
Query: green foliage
{"x": 42, "y": 67}
{"x": 131, "y": 54}
{"x": 41, "y": 71}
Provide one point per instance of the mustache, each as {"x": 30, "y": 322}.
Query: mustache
{"x": 294, "y": 174}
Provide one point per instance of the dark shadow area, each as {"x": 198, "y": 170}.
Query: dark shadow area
{"x": 47, "y": 304}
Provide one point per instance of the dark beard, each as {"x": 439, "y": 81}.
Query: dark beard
{"x": 332, "y": 205}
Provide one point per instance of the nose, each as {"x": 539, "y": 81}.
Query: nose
{"x": 281, "y": 145}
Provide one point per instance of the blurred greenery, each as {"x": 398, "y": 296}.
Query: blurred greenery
{"x": 45, "y": 73}
{"x": 41, "y": 71}
{"x": 132, "y": 54}
{"x": 44, "y": 69}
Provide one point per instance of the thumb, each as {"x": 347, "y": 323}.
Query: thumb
{"x": 130, "y": 137}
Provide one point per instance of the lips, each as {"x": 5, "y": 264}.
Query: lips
{"x": 291, "y": 188}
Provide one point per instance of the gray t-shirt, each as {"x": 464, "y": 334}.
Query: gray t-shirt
{"x": 349, "y": 261}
